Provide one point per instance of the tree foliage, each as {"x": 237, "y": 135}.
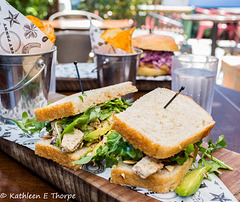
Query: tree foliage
{"x": 37, "y": 8}
{"x": 114, "y": 9}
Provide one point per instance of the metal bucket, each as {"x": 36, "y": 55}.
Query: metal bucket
{"x": 24, "y": 83}
{"x": 117, "y": 68}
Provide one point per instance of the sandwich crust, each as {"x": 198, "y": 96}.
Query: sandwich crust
{"x": 155, "y": 42}
{"x": 162, "y": 181}
{"x": 44, "y": 149}
{"x": 150, "y": 148}
{"x": 72, "y": 105}
{"x": 160, "y": 132}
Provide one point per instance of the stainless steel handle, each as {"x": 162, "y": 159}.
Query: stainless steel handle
{"x": 24, "y": 80}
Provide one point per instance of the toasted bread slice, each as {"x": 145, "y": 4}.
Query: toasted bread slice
{"x": 72, "y": 105}
{"x": 160, "y": 132}
{"x": 44, "y": 149}
{"x": 162, "y": 181}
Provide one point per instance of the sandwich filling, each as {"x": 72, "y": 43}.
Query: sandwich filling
{"x": 156, "y": 59}
{"x": 149, "y": 165}
{"x": 74, "y": 132}
{"x": 116, "y": 149}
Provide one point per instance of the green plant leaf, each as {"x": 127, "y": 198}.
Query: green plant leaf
{"x": 30, "y": 125}
{"x": 211, "y": 148}
{"x": 183, "y": 155}
{"x": 116, "y": 148}
{"x": 83, "y": 160}
{"x": 82, "y": 96}
{"x": 215, "y": 166}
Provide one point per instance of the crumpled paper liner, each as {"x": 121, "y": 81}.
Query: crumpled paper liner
{"x": 18, "y": 35}
{"x": 99, "y": 45}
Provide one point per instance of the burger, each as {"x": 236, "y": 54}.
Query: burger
{"x": 156, "y": 59}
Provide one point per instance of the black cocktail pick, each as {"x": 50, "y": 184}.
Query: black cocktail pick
{"x": 181, "y": 89}
{"x": 79, "y": 79}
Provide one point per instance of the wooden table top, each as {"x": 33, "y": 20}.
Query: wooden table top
{"x": 16, "y": 178}
{"x": 84, "y": 24}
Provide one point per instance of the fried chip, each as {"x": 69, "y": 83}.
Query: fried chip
{"x": 110, "y": 33}
{"x": 46, "y": 29}
{"x": 35, "y": 21}
{"x": 49, "y": 31}
{"x": 119, "y": 38}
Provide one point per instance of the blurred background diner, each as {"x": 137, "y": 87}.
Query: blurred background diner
{"x": 203, "y": 27}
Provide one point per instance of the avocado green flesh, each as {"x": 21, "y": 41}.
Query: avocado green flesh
{"x": 97, "y": 133}
{"x": 192, "y": 181}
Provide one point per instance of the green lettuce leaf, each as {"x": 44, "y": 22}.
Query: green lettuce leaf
{"x": 116, "y": 148}
{"x": 207, "y": 152}
{"x": 183, "y": 155}
{"x": 30, "y": 125}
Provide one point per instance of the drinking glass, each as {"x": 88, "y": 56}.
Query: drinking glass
{"x": 197, "y": 73}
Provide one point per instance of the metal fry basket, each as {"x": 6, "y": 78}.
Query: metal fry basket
{"x": 24, "y": 83}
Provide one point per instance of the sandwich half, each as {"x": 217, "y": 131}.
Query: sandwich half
{"x": 165, "y": 135}
{"x": 77, "y": 124}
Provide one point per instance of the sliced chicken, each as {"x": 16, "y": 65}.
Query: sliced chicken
{"x": 147, "y": 166}
{"x": 71, "y": 142}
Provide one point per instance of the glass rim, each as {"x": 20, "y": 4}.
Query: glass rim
{"x": 190, "y": 58}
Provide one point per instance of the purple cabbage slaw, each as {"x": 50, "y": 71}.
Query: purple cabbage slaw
{"x": 157, "y": 58}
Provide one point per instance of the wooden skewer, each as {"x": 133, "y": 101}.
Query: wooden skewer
{"x": 181, "y": 89}
{"x": 79, "y": 79}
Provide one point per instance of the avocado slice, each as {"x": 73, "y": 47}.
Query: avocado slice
{"x": 192, "y": 181}
{"x": 97, "y": 133}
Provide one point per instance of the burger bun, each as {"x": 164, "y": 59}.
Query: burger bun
{"x": 155, "y": 42}
{"x": 145, "y": 70}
